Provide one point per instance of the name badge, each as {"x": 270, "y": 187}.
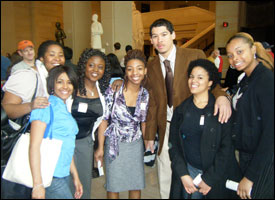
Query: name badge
{"x": 143, "y": 106}
{"x": 202, "y": 120}
{"x": 82, "y": 107}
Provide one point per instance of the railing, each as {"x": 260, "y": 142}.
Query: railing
{"x": 192, "y": 23}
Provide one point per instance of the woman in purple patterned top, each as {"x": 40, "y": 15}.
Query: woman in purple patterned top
{"x": 123, "y": 129}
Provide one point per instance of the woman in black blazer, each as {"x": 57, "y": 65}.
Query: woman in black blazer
{"x": 198, "y": 142}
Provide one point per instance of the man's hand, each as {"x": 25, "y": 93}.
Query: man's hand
{"x": 223, "y": 106}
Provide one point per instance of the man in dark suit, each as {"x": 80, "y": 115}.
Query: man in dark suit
{"x": 160, "y": 107}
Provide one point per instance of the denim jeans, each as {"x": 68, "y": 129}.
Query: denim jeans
{"x": 193, "y": 172}
{"x": 59, "y": 189}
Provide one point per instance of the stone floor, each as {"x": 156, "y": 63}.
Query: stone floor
{"x": 151, "y": 190}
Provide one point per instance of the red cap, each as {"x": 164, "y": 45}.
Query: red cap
{"x": 23, "y": 44}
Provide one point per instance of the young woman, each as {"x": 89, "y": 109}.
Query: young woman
{"x": 61, "y": 83}
{"x": 198, "y": 142}
{"x": 87, "y": 109}
{"x": 19, "y": 90}
{"x": 253, "y": 127}
{"x": 124, "y": 127}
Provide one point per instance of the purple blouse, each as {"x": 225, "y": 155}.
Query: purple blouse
{"x": 123, "y": 126}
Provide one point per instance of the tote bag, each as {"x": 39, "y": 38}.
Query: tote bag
{"x": 18, "y": 166}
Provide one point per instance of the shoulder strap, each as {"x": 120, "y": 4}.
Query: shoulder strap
{"x": 33, "y": 97}
{"x": 49, "y": 126}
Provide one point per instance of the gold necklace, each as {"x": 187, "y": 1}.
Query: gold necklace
{"x": 91, "y": 92}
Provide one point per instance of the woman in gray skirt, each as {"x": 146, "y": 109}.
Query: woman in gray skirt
{"x": 124, "y": 127}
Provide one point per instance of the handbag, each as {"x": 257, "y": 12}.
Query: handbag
{"x": 18, "y": 166}
{"x": 11, "y": 131}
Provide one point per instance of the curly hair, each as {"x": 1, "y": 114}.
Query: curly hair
{"x": 209, "y": 67}
{"x": 81, "y": 67}
{"x": 134, "y": 54}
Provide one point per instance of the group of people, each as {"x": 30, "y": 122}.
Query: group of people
{"x": 177, "y": 95}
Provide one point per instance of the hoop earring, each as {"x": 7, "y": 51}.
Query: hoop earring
{"x": 255, "y": 56}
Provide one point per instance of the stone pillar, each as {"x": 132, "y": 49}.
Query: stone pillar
{"x": 8, "y": 34}
{"x": 226, "y": 11}
{"x": 77, "y": 26}
{"x": 116, "y": 19}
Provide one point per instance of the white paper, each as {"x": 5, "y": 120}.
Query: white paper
{"x": 197, "y": 180}
{"x": 202, "y": 120}
{"x": 82, "y": 107}
{"x": 232, "y": 185}
{"x": 100, "y": 168}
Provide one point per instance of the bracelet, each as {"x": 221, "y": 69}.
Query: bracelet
{"x": 35, "y": 187}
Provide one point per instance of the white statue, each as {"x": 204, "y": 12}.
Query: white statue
{"x": 96, "y": 32}
{"x": 137, "y": 28}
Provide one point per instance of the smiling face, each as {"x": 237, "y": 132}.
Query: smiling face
{"x": 135, "y": 71}
{"x": 54, "y": 56}
{"x": 162, "y": 40}
{"x": 241, "y": 55}
{"x": 198, "y": 81}
{"x": 63, "y": 87}
{"x": 27, "y": 54}
{"x": 95, "y": 68}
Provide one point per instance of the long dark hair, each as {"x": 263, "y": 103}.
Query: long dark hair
{"x": 55, "y": 72}
{"x": 81, "y": 67}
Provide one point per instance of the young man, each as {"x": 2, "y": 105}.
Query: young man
{"x": 25, "y": 49}
{"x": 160, "y": 113}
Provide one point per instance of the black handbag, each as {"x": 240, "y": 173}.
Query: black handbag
{"x": 10, "y": 134}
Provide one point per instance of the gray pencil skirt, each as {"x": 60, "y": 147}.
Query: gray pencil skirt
{"x": 126, "y": 172}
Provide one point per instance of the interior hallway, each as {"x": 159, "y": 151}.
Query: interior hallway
{"x": 151, "y": 190}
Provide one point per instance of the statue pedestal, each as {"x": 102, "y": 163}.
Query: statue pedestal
{"x": 102, "y": 50}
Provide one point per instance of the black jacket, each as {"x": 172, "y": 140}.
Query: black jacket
{"x": 217, "y": 152}
{"x": 253, "y": 128}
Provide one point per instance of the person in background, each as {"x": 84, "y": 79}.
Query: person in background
{"x": 87, "y": 108}
{"x": 118, "y": 52}
{"x": 268, "y": 48}
{"x": 122, "y": 131}
{"x": 199, "y": 143}
{"x": 19, "y": 90}
{"x": 61, "y": 84}
{"x": 117, "y": 72}
{"x": 253, "y": 116}
{"x": 173, "y": 61}
{"x": 68, "y": 52}
{"x": 216, "y": 58}
{"x": 25, "y": 49}
{"x": 127, "y": 48}
{"x": 5, "y": 63}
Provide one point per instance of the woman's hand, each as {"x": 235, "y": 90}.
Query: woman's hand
{"x": 244, "y": 188}
{"x": 188, "y": 184}
{"x": 78, "y": 188}
{"x": 99, "y": 153}
{"x": 116, "y": 85}
{"x": 204, "y": 188}
{"x": 38, "y": 192}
